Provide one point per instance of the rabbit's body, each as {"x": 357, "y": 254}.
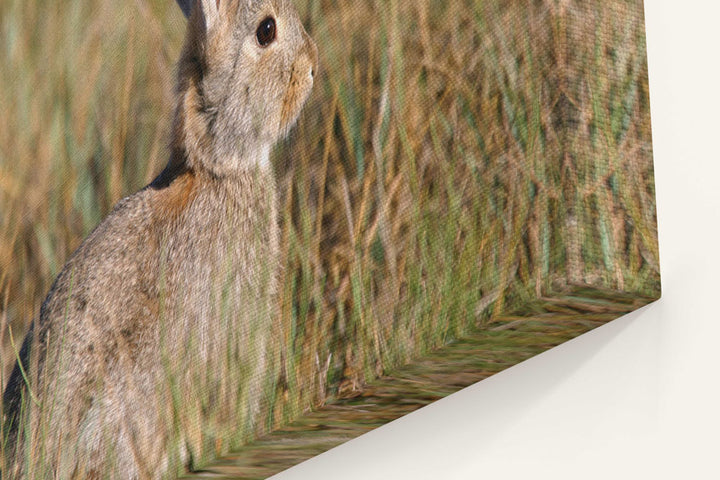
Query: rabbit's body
{"x": 154, "y": 303}
{"x": 165, "y": 311}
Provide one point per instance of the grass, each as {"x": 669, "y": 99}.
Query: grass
{"x": 456, "y": 160}
{"x": 499, "y": 344}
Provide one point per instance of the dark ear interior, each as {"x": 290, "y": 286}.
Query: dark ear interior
{"x": 186, "y": 6}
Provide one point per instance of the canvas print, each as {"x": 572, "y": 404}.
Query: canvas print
{"x": 238, "y": 233}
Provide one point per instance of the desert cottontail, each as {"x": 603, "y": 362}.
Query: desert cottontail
{"x": 156, "y": 335}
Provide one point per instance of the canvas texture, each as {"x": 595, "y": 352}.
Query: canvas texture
{"x": 467, "y": 184}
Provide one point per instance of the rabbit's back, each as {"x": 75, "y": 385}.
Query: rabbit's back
{"x": 95, "y": 319}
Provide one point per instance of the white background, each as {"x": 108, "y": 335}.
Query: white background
{"x": 637, "y": 399}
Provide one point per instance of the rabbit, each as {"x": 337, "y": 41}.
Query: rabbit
{"x": 165, "y": 311}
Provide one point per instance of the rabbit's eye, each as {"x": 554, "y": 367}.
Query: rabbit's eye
{"x": 266, "y": 32}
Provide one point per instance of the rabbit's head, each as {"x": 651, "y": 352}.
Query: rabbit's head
{"x": 245, "y": 72}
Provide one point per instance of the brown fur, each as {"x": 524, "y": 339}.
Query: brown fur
{"x": 177, "y": 196}
{"x": 178, "y": 281}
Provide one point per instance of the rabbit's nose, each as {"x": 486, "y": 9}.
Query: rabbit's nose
{"x": 312, "y": 53}
{"x": 315, "y": 63}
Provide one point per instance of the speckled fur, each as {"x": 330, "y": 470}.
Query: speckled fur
{"x": 187, "y": 264}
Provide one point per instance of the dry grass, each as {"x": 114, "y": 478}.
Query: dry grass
{"x": 456, "y": 159}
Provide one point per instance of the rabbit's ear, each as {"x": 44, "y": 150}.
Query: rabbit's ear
{"x": 208, "y": 9}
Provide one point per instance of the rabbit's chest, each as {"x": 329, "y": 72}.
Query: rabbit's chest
{"x": 224, "y": 256}
{"x": 228, "y": 238}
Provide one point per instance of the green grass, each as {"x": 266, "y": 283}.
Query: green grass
{"x": 499, "y": 344}
{"x": 455, "y": 160}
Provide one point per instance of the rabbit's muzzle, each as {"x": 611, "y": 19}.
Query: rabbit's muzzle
{"x": 302, "y": 75}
